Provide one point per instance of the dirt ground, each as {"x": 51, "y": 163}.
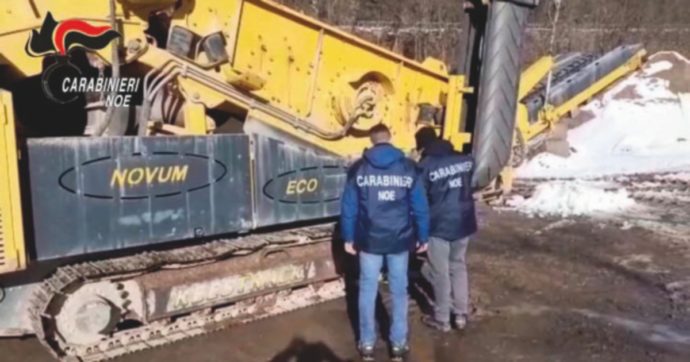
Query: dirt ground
{"x": 543, "y": 290}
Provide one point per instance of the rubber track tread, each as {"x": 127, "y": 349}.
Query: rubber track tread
{"x": 498, "y": 88}
{"x": 66, "y": 278}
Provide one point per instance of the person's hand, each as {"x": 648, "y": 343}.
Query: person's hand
{"x": 415, "y": 155}
{"x": 350, "y": 248}
{"x": 422, "y": 247}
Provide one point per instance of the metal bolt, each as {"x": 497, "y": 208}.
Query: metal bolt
{"x": 133, "y": 46}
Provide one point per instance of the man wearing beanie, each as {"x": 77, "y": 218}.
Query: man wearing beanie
{"x": 447, "y": 177}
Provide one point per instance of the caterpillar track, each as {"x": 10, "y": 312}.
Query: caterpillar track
{"x": 54, "y": 295}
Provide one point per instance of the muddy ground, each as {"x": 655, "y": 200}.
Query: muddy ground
{"x": 543, "y": 290}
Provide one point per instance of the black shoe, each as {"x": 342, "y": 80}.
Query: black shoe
{"x": 366, "y": 352}
{"x": 431, "y": 322}
{"x": 399, "y": 352}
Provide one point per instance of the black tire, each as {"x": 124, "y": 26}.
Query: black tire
{"x": 498, "y": 86}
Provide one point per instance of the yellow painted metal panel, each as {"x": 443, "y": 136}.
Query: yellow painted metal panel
{"x": 531, "y": 76}
{"x": 452, "y": 124}
{"x": 12, "y": 249}
{"x": 317, "y": 73}
{"x": 279, "y": 58}
{"x": 278, "y": 10}
{"x": 283, "y": 56}
{"x": 195, "y": 118}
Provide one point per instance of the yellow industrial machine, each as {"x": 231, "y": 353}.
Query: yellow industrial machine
{"x": 575, "y": 79}
{"x": 169, "y": 167}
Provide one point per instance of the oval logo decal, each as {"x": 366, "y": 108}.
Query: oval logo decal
{"x": 160, "y": 174}
{"x": 308, "y": 185}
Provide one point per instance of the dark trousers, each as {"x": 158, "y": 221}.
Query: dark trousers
{"x": 446, "y": 270}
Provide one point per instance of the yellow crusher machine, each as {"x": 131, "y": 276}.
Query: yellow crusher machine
{"x": 169, "y": 167}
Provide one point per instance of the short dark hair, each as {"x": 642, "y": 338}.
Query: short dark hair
{"x": 425, "y": 136}
{"x": 380, "y": 133}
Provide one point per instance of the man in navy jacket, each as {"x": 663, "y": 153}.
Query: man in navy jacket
{"x": 447, "y": 177}
{"x": 384, "y": 215}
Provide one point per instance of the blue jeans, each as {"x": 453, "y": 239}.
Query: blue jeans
{"x": 369, "y": 271}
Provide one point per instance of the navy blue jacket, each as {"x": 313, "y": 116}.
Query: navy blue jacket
{"x": 447, "y": 177}
{"x": 384, "y": 209}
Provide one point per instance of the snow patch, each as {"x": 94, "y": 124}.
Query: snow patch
{"x": 656, "y": 67}
{"x": 682, "y": 176}
{"x": 648, "y": 133}
{"x": 572, "y": 198}
{"x": 674, "y": 54}
{"x": 640, "y": 125}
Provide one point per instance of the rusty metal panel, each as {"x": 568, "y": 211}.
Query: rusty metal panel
{"x": 101, "y": 194}
{"x": 177, "y": 291}
{"x": 295, "y": 183}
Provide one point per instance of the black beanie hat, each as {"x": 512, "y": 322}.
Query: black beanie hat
{"x": 424, "y": 137}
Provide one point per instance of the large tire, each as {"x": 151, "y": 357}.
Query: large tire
{"x": 498, "y": 87}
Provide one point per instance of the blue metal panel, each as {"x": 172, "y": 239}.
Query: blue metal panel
{"x": 296, "y": 183}
{"x": 101, "y": 194}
